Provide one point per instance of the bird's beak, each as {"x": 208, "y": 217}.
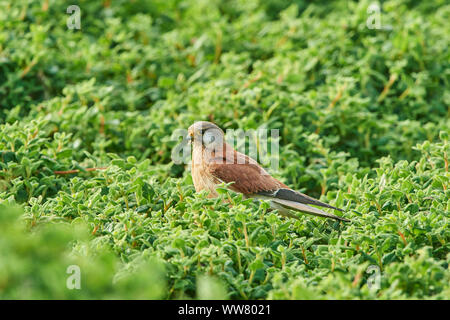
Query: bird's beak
{"x": 190, "y": 136}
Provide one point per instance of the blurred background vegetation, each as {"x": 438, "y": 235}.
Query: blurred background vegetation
{"x": 363, "y": 117}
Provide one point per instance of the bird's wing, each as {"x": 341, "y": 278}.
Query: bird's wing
{"x": 251, "y": 179}
{"x": 247, "y": 175}
{"x": 247, "y": 178}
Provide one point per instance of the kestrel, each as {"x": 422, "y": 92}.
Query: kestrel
{"x": 215, "y": 162}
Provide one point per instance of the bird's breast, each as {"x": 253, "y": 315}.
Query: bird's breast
{"x": 201, "y": 176}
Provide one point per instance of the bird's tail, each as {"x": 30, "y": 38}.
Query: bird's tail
{"x": 291, "y": 205}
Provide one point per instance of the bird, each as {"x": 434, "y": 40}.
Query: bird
{"x": 214, "y": 162}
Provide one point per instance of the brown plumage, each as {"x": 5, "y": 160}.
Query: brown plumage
{"x": 214, "y": 162}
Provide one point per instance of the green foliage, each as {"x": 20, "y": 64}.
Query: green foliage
{"x": 363, "y": 117}
{"x": 36, "y": 264}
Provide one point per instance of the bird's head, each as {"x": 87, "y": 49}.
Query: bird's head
{"x": 206, "y": 133}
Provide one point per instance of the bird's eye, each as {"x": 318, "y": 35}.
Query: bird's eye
{"x": 211, "y": 137}
{"x": 208, "y": 137}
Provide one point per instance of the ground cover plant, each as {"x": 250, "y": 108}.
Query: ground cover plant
{"x": 87, "y": 118}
